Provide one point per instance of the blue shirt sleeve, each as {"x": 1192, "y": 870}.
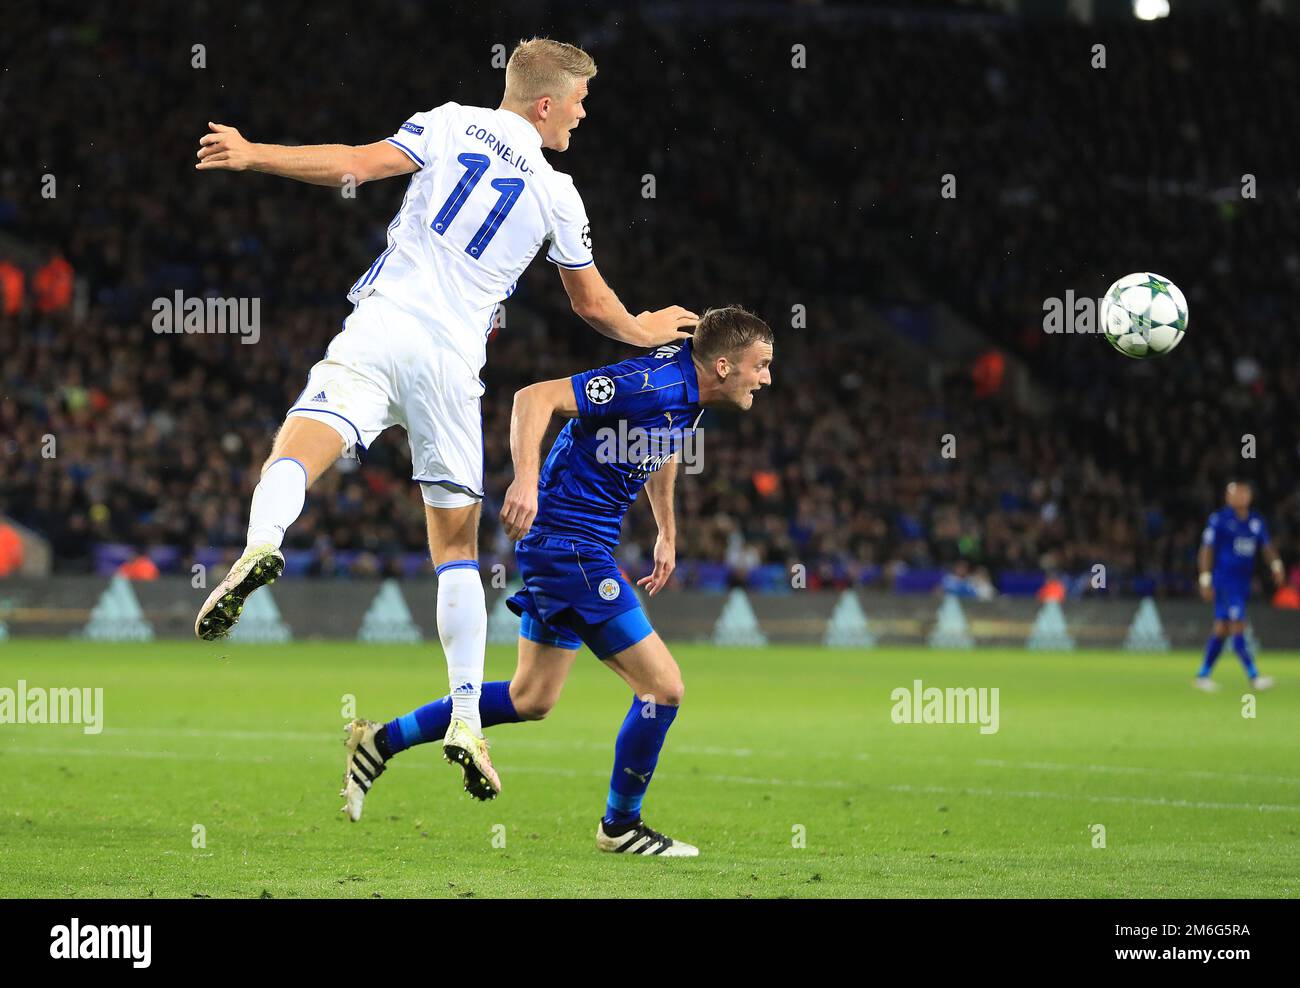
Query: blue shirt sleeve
{"x": 1211, "y": 530}
{"x": 630, "y": 389}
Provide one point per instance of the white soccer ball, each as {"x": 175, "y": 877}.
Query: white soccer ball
{"x": 1144, "y": 315}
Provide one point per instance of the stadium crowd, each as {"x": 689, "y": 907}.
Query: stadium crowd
{"x": 775, "y": 186}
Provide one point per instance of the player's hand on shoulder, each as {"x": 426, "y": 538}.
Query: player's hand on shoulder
{"x": 224, "y": 148}
{"x": 519, "y": 508}
{"x": 667, "y": 325}
{"x": 665, "y": 563}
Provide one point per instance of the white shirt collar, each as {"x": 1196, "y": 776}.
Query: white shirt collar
{"x": 521, "y": 127}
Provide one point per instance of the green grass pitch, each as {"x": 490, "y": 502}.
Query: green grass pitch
{"x": 771, "y": 744}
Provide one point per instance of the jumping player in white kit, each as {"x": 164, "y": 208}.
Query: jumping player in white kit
{"x": 482, "y": 201}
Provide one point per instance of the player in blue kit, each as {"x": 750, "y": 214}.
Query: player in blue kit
{"x": 1227, "y": 563}
{"x": 630, "y": 424}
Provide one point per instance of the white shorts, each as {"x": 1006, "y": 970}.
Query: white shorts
{"x": 383, "y": 369}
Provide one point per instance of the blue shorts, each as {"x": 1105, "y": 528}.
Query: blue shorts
{"x": 1230, "y": 602}
{"x": 574, "y": 594}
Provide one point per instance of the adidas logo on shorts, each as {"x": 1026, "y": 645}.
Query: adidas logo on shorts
{"x": 319, "y": 397}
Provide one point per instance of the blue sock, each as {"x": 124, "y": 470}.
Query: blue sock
{"x": 636, "y": 752}
{"x": 1243, "y": 653}
{"x": 1212, "y": 649}
{"x": 430, "y": 722}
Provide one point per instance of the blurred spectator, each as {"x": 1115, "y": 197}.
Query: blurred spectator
{"x": 1053, "y": 589}
{"x": 52, "y": 284}
{"x": 139, "y": 568}
{"x": 11, "y": 288}
{"x": 961, "y": 581}
{"x": 988, "y": 373}
{"x": 11, "y": 550}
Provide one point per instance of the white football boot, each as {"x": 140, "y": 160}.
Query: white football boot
{"x": 365, "y": 764}
{"x": 640, "y": 839}
{"x": 463, "y": 747}
{"x": 259, "y": 566}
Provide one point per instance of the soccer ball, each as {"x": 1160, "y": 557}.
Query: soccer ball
{"x": 1144, "y": 315}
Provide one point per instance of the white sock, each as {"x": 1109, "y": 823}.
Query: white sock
{"x": 277, "y": 501}
{"x": 462, "y": 627}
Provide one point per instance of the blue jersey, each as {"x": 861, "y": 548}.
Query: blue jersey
{"x": 1235, "y": 542}
{"x": 633, "y": 417}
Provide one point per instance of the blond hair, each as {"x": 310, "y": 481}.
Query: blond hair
{"x": 542, "y": 67}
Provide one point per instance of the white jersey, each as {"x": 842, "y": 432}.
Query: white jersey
{"x": 475, "y": 214}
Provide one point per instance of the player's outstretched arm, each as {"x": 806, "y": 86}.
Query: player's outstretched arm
{"x": 534, "y": 407}
{"x": 317, "y": 164}
{"x": 659, "y": 492}
{"x": 1205, "y": 564}
{"x": 595, "y": 302}
{"x": 1274, "y": 565}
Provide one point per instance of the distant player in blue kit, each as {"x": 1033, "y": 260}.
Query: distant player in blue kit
{"x": 630, "y": 424}
{"x": 1232, "y": 536}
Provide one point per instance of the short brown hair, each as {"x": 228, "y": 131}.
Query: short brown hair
{"x": 542, "y": 67}
{"x": 727, "y": 332}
